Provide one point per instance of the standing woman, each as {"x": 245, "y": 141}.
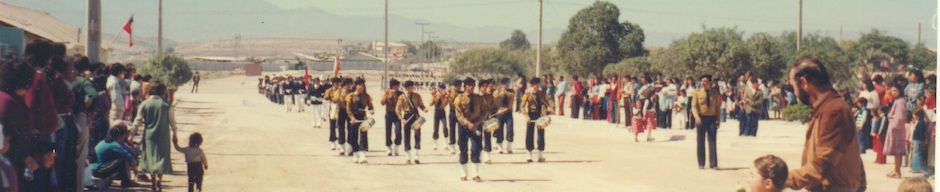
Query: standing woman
{"x": 895, "y": 139}
{"x": 156, "y": 115}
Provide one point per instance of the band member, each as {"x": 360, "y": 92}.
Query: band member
{"x": 315, "y": 94}
{"x": 342, "y": 117}
{"x": 407, "y": 110}
{"x": 456, "y": 89}
{"x": 536, "y": 104}
{"x": 299, "y": 91}
{"x": 470, "y": 107}
{"x": 337, "y": 135}
{"x": 389, "y": 100}
{"x": 357, "y": 103}
{"x": 439, "y": 101}
{"x": 504, "y": 98}
{"x": 486, "y": 91}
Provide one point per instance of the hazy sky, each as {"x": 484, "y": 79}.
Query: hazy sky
{"x": 676, "y": 17}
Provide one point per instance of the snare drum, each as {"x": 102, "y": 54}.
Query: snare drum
{"x": 490, "y": 125}
{"x": 366, "y": 124}
{"x": 543, "y": 122}
{"x": 418, "y": 123}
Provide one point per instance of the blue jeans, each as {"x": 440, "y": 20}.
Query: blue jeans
{"x": 469, "y": 140}
{"x": 742, "y": 123}
{"x": 918, "y": 160}
{"x": 724, "y": 115}
{"x": 752, "y": 120}
{"x": 392, "y": 126}
{"x": 862, "y": 141}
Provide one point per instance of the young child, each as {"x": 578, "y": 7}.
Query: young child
{"x": 918, "y": 161}
{"x": 862, "y": 126}
{"x": 44, "y": 154}
{"x": 682, "y": 103}
{"x": 638, "y": 121}
{"x": 769, "y": 174}
{"x": 879, "y": 127}
{"x": 196, "y": 162}
{"x": 915, "y": 184}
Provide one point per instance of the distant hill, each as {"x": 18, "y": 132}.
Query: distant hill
{"x": 206, "y": 20}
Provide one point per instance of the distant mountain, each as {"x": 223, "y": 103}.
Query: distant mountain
{"x": 206, "y": 20}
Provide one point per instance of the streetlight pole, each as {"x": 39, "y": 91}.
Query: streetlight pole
{"x": 799, "y": 38}
{"x": 421, "y": 44}
{"x": 538, "y": 50}
{"x": 385, "y": 49}
{"x": 160, "y": 28}
{"x": 93, "y": 47}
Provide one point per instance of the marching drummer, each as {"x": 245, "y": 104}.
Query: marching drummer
{"x": 357, "y": 103}
{"x": 486, "y": 91}
{"x": 470, "y": 107}
{"x": 504, "y": 99}
{"x": 536, "y": 104}
{"x": 389, "y": 99}
{"x": 407, "y": 111}
{"x": 337, "y": 133}
{"x": 456, "y": 89}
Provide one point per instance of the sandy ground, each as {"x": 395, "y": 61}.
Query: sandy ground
{"x": 254, "y": 145}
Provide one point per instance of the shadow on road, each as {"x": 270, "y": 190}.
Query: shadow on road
{"x": 517, "y": 180}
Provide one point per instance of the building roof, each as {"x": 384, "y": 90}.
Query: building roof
{"x": 41, "y": 24}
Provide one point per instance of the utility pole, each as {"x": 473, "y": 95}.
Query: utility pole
{"x": 160, "y": 28}
{"x": 840, "y": 34}
{"x": 918, "y": 32}
{"x": 538, "y": 50}
{"x": 385, "y": 75}
{"x": 799, "y": 38}
{"x": 421, "y": 44}
{"x": 427, "y": 46}
{"x": 93, "y": 46}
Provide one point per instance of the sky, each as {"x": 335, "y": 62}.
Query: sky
{"x": 677, "y": 18}
{"x": 662, "y": 20}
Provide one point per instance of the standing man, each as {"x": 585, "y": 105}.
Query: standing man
{"x": 337, "y": 136}
{"x": 486, "y": 91}
{"x": 357, "y": 103}
{"x": 456, "y": 89}
{"x": 439, "y": 101}
{"x": 536, "y": 104}
{"x": 753, "y": 103}
{"x": 195, "y": 83}
{"x": 342, "y": 117}
{"x": 470, "y": 107}
{"x": 576, "y": 97}
{"x": 705, "y": 105}
{"x": 520, "y": 88}
{"x": 390, "y": 100}
{"x": 667, "y": 99}
{"x": 406, "y": 110}
{"x": 504, "y": 110}
{"x": 831, "y": 158}
{"x": 315, "y": 93}
{"x": 561, "y": 91}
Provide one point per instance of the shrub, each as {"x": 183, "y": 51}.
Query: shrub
{"x": 171, "y": 69}
{"x": 797, "y": 112}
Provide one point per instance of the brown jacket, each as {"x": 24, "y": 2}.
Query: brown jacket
{"x": 831, "y": 159}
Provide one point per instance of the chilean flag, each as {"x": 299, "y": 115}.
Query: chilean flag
{"x": 127, "y": 28}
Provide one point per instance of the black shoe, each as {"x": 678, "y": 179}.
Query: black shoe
{"x": 529, "y": 160}
{"x": 417, "y": 162}
{"x": 91, "y": 187}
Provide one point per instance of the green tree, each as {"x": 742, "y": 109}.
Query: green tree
{"x": 171, "y": 69}
{"x": 839, "y": 62}
{"x": 630, "y": 66}
{"x": 876, "y": 46}
{"x": 594, "y": 39}
{"x": 922, "y": 58}
{"x": 765, "y": 56}
{"x": 485, "y": 63}
{"x": 717, "y": 51}
{"x": 515, "y": 42}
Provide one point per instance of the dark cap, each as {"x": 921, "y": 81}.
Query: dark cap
{"x": 535, "y": 80}
{"x": 394, "y": 82}
{"x": 469, "y": 81}
{"x": 409, "y": 83}
{"x": 360, "y": 82}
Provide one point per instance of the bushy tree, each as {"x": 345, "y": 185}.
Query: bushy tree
{"x": 921, "y": 58}
{"x": 171, "y": 69}
{"x": 717, "y": 51}
{"x": 517, "y": 41}
{"x": 765, "y": 56}
{"x": 595, "y": 39}
{"x": 874, "y": 47}
{"x": 485, "y": 63}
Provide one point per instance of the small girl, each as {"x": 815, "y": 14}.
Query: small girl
{"x": 769, "y": 174}
{"x": 682, "y": 103}
{"x": 196, "y": 162}
{"x": 919, "y": 142}
{"x": 638, "y": 121}
{"x": 879, "y": 127}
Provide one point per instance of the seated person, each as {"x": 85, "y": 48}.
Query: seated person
{"x": 113, "y": 158}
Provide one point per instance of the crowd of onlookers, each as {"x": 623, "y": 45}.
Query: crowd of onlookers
{"x": 66, "y": 120}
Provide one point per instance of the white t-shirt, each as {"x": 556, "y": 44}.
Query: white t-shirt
{"x": 872, "y": 98}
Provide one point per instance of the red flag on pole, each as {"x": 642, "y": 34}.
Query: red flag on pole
{"x": 306, "y": 76}
{"x": 336, "y": 67}
{"x": 127, "y": 28}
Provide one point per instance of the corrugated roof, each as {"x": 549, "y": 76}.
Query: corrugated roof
{"x": 41, "y": 24}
